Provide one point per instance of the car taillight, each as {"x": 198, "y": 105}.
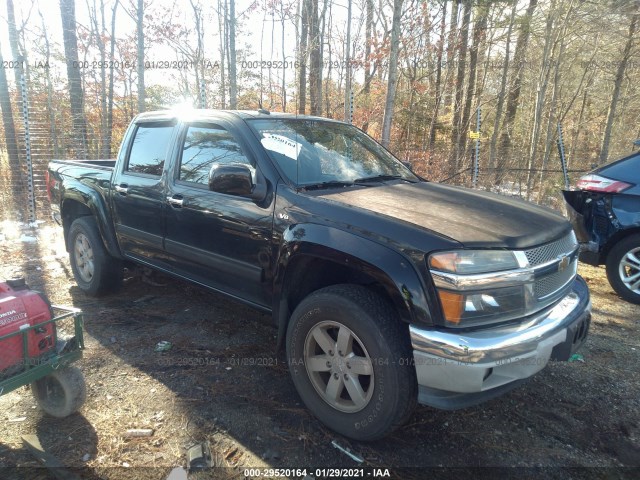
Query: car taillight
{"x": 596, "y": 183}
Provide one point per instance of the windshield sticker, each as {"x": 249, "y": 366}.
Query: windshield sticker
{"x": 281, "y": 144}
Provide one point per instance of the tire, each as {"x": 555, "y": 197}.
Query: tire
{"x": 60, "y": 393}
{"x": 365, "y": 406}
{"x": 96, "y": 272}
{"x": 623, "y": 268}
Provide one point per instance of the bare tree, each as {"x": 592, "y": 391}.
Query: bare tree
{"x": 9, "y": 129}
{"x": 392, "y": 82}
{"x": 315, "y": 62}
{"x": 140, "y": 51}
{"x": 112, "y": 40}
{"x": 617, "y": 84}
{"x": 516, "y": 86}
{"x": 233, "y": 80}
{"x": 462, "y": 65}
{"x": 13, "y": 43}
{"x": 479, "y": 30}
{"x": 438, "y": 81}
{"x": 302, "y": 56}
{"x": 501, "y": 96}
{"x": 76, "y": 95}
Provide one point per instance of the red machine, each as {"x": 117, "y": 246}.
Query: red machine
{"x": 20, "y": 308}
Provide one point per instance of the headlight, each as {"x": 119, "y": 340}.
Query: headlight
{"x": 473, "y": 261}
{"x": 481, "y": 286}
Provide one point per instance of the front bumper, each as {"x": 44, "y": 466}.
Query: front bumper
{"x": 460, "y": 369}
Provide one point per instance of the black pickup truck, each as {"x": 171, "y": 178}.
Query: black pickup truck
{"x": 386, "y": 289}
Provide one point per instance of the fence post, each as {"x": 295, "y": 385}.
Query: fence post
{"x": 476, "y": 154}
{"x": 563, "y": 160}
{"x": 27, "y": 148}
{"x": 203, "y": 95}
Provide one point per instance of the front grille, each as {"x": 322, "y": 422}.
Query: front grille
{"x": 552, "y": 283}
{"x": 551, "y": 251}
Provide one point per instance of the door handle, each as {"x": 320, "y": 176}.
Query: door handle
{"x": 175, "y": 201}
{"x": 122, "y": 189}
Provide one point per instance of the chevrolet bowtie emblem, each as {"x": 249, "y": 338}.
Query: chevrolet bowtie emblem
{"x": 564, "y": 262}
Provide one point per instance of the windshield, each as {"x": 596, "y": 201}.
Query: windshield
{"x": 312, "y": 152}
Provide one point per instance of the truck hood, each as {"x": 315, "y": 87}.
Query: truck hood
{"x": 471, "y": 217}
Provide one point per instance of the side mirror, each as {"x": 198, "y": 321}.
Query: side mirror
{"x": 234, "y": 179}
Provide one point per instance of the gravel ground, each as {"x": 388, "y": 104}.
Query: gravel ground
{"x": 223, "y": 382}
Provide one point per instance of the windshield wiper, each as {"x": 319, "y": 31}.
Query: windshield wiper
{"x": 327, "y": 184}
{"x": 381, "y": 178}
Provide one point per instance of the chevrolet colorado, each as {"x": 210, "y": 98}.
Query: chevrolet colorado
{"x": 386, "y": 289}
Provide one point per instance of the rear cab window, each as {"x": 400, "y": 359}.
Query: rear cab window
{"x": 149, "y": 148}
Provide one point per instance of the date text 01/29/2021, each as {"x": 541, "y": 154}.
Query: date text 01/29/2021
{"x": 318, "y": 473}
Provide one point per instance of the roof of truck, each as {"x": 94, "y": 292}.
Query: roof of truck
{"x": 204, "y": 114}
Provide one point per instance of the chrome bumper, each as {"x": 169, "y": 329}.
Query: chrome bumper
{"x": 459, "y": 369}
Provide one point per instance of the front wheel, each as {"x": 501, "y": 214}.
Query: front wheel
{"x": 349, "y": 358}
{"x": 60, "y": 393}
{"x": 96, "y": 272}
{"x": 623, "y": 268}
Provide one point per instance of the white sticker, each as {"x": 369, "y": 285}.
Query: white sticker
{"x": 282, "y": 145}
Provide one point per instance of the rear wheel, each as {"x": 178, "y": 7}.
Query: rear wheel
{"x": 96, "y": 272}
{"x": 349, "y": 357}
{"x": 60, "y": 393}
{"x": 623, "y": 268}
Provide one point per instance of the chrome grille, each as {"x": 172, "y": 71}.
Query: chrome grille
{"x": 550, "y": 284}
{"x": 551, "y": 251}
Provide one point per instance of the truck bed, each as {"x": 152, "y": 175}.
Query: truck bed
{"x": 103, "y": 164}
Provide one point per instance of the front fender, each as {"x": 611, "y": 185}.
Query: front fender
{"x": 90, "y": 198}
{"x": 393, "y": 271}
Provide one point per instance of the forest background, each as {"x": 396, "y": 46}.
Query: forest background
{"x": 417, "y": 75}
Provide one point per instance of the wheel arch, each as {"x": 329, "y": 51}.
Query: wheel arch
{"x": 86, "y": 202}
{"x": 616, "y": 238}
{"x": 314, "y": 256}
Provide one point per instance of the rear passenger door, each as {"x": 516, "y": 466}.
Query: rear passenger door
{"x": 138, "y": 191}
{"x": 219, "y": 240}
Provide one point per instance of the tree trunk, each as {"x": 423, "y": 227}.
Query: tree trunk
{"x": 479, "y": 30}
{"x": 112, "y": 52}
{"x": 347, "y": 83}
{"x": 222, "y": 25}
{"x": 368, "y": 75}
{"x": 392, "y": 82}
{"x": 500, "y": 105}
{"x": 462, "y": 65}
{"x": 543, "y": 80}
{"x": 611, "y": 114}
{"x": 76, "y": 96}
{"x": 233, "y": 80}
{"x": 451, "y": 51}
{"x": 9, "y": 132}
{"x": 53, "y": 132}
{"x": 315, "y": 67}
{"x": 284, "y": 62}
{"x": 302, "y": 57}
{"x": 514, "y": 93}
{"x": 13, "y": 43}
{"x": 140, "y": 52}
{"x": 438, "y": 86}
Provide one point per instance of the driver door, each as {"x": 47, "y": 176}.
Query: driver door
{"x": 219, "y": 240}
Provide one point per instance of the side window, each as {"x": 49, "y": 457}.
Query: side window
{"x": 205, "y": 146}
{"x": 149, "y": 148}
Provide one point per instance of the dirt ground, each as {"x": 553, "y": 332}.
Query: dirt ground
{"x": 224, "y": 383}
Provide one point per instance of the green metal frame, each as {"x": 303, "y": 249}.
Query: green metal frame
{"x": 37, "y": 368}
